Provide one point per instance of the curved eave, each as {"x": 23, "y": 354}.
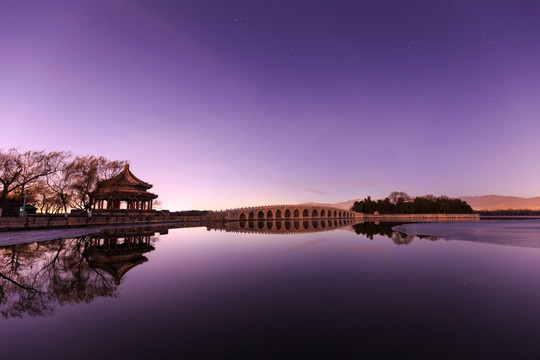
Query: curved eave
{"x": 103, "y": 195}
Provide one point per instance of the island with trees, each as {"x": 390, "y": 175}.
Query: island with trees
{"x": 401, "y": 203}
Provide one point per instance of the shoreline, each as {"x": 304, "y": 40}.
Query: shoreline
{"x": 8, "y": 238}
{"x": 44, "y": 222}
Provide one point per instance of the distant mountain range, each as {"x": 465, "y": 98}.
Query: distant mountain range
{"x": 486, "y": 202}
{"x": 498, "y": 202}
{"x": 345, "y": 205}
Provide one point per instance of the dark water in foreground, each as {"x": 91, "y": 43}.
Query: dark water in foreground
{"x": 341, "y": 293}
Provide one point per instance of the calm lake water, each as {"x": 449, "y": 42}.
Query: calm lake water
{"x": 253, "y": 293}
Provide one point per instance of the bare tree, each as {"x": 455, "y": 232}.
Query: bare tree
{"x": 88, "y": 173}
{"x": 157, "y": 204}
{"x": 20, "y": 171}
{"x": 10, "y": 171}
{"x": 396, "y": 195}
{"x": 45, "y": 200}
{"x": 60, "y": 182}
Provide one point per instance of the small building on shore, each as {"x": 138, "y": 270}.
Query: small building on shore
{"x": 124, "y": 191}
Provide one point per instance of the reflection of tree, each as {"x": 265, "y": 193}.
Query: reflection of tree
{"x": 370, "y": 229}
{"x": 36, "y": 278}
{"x": 402, "y": 239}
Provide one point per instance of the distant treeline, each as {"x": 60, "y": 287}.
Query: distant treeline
{"x": 401, "y": 203}
{"x": 512, "y": 212}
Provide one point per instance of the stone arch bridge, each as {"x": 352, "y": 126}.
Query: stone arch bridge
{"x": 288, "y": 212}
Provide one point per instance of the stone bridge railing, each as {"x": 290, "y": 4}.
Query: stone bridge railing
{"x": 288, "y": 212}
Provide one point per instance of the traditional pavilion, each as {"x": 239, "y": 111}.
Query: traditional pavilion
{"x": 124, "y": 187}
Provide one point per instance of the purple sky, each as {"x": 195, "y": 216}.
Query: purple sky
{"x": 229, "y": 103}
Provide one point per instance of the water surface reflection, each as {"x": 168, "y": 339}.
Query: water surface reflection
{"x": 276, "y": 290}
{"x": 38, "y": 277}
{"x": 282, "y": 226}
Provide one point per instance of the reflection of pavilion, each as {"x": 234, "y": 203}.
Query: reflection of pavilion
{"x": 283, "y": 226}
{"x": 117, "y": 251}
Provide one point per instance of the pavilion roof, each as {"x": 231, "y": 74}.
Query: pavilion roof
{"x": 125, "y": 178}
{"x": 124, "y": 185}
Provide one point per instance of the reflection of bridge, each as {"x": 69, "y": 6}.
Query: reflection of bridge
{"x": 283, "y": 226}
{"x": 288, "y": 212}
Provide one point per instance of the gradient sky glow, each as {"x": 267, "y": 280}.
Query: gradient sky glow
{"x": 229, "y": 103}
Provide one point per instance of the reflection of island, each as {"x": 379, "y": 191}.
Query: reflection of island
{"x": 282, "y": 226}
{"x": 36, "y": 278}
{"x": 370, "y": 229}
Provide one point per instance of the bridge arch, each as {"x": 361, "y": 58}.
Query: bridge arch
{"x": 288, "y": 212}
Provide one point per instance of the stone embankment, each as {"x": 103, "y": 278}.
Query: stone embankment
{"x": 59, "y": 222}
{"x": 35, "y": 222}
{"x": 420, "y": 217}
